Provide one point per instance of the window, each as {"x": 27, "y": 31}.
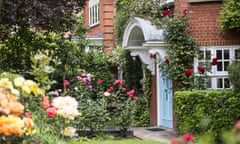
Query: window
{"x": 93, "y": 12}
{"x": 217, "y": 74}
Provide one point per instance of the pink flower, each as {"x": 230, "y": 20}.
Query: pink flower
{"x": 166, "y": 61}
{"x": 214, "y": 61}
{"x": 46, "y": 103}
{"x": 188, "y": 72}
{"x": 134, "y": 97}
{"x": 83, "y": 74}
{"x": 59, "y": 90}
{"x": 90, "y": 87}
{"x": 28, "y": 114}
{"x": 117, "y": 82}
{"x": 201, "y": 69}
{"x": 131, "y": 93}
{"x": 152, "y": 56}
{"x": 52, "y": 112}
{"x": 185, "y": 11}
{"x": 174, "y": 141}
{"x": 99, "y": 81}
{"x": 188, "y": 137}
{"x": 84, "y": 80}
{"x": 66, "y": 83}
{"x": 68, "y": 90}
{"x": 166, "y": 12}
{"x": 110, "y": 89}
{"x": 123, "y": 89}
{"x": 78, "y": 77}
{"x": 237, "y": 125}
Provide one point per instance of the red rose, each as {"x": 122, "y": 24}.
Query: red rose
{"x": 51, "y": 112}
{"x": 185, "y": 11}
{"x": 99, "y": 81}
{"x": 152, "y": 56}
{"x": 201, "y": 69}
{"x": 188, "y": 72}
{"x": 117, "y": 82}
{"x": 166, "y": 12}
{"x": 110, "y": 89}
{"x": 166, "y": 61}
{"x": 214, "y": 61}
{"x": 66, "y": 83}
{"x": 188, "y": 137}
{"x": 131, "y": 93}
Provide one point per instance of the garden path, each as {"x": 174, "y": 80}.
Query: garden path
{"x": 154, "y": 133}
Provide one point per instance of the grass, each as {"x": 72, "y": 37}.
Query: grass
{"x": 125, "y": 141}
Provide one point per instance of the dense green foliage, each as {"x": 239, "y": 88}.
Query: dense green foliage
{"x": 234, "y": 75}
{"x": 54, "y": 15}
{"x": 181, "y": 51}
{"x": 206, "y": 112}
{"x": 230, "y": 14}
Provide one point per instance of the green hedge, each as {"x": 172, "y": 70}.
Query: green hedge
{"x": 206, "y": 112}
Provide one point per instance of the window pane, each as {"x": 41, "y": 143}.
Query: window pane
{"x": 226, "y": 83}
{"x": 226, "y": 54}
{"x": 226, "y": 63}
{"x": 208, "y": 82}
{"x": 219, "y": 83}
{"x": 208, "y": 55}
{"x": 219, "y": 66}
{"x": 219, "y": 54}
{"x": 237, "y": 54}
{"x": 201, "y": 55}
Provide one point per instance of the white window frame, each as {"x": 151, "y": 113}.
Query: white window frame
{"x": 94, "y": 12}
{"x": 214, "y": 75}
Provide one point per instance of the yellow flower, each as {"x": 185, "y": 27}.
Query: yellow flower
{"x": 4, "y": 82}
{"x": 69, "y": 131}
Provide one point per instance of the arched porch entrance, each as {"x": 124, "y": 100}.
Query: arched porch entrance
{"x": 142, "y": 38}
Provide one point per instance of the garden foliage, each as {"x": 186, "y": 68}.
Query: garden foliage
{"x": 230, "y": 15}
{"x": 234, "y": 75}
{"x": 206, "y": 112}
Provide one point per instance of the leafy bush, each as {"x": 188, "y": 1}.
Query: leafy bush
{"x": 234, "y": 75}
{"x": 206, "y": 111}
{"x": 230, "y": 14}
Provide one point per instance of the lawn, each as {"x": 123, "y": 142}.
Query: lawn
{"x": 124, "y": 141}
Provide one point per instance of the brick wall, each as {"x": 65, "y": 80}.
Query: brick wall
{"x": 106, "y": 23}
{"x": 205, "y": 25}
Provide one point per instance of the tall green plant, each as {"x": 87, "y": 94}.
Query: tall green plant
{"x": 234, "y": 75}
{"x": 181, "y": 51}
{"x": 230, "y": 14}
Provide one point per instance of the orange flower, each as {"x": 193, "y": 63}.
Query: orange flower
{"x": 16, "y": 108}
{"x": 28, "y": 122}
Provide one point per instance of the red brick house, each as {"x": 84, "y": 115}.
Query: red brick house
{"x": 98, "y": 17}
{"x": 142, "y": 39}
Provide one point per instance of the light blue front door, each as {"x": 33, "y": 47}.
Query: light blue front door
{"x": 165, "y": 97}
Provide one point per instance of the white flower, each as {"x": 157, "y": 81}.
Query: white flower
{"x": 69, "y": 131}
{"x": 68, "y": 112}
{"x": 18, "y": 82}
{"x": 106, "y": 94}
{"x": 61, "y": 102}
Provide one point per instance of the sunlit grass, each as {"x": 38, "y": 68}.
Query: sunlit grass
{"x": 121, "y": 141}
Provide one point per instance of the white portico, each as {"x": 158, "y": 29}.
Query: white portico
{"x": 142, "y": 38}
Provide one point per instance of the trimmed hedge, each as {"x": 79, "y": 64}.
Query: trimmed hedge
{"x": 206, "y": 111}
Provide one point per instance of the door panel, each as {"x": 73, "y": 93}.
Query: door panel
{"x": 165, "y": 97}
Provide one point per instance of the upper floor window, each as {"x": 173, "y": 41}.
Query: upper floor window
{"x": 93, "y": 12}
{"x": 217, "y": 74}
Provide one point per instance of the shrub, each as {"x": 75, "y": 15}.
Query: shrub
{"x": 234, "y": 75}
{"x": 206, "y": 112}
